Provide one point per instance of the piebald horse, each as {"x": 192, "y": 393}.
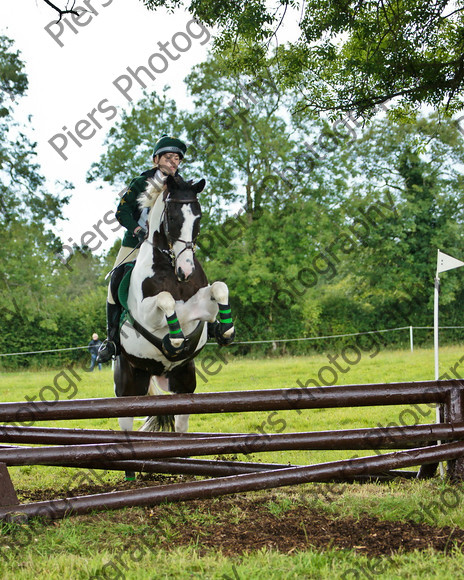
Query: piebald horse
{"x": 170, "y": 304}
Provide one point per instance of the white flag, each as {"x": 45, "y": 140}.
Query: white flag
{"x": 445, "y": 262}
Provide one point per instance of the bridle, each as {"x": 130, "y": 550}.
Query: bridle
{"x": 188, "y": 245}
{"x": 190, "y": 348}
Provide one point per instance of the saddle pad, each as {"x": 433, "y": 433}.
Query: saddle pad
{"x": 123, "y": 289}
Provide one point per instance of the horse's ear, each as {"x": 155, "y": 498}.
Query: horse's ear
{"x": 199, "y": 187}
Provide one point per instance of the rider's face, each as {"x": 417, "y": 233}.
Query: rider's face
{"x": 168, "y": 162}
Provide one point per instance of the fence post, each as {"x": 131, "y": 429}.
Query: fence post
{"x": 454, "y": 412}
{"x": 411, "y": 338}
{"x": 7, "y": 491}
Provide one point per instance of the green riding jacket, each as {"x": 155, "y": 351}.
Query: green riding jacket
{"x": 128, "y": 212}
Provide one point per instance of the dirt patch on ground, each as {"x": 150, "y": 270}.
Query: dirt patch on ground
{"x": 302, "y": 529}
{"x": 246, "y": 523}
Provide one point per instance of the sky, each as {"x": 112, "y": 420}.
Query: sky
{"x": 79, "y": 84}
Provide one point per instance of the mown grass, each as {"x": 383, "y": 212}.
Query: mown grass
{"x": 104, "y": 546}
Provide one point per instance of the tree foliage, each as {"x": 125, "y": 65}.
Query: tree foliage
{"x": 348, "y": 55}
{"x": 343, "y": 234}
{"x": 44, "y": 304}
{"x": 23, "y": 194}
{"x": 237, "y": 135}
{"x": 410, "y": 178}
{"x": 28, "y": 208}
{"x": 318, "y": 228}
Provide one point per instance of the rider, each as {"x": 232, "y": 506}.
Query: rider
{"x": 167, "y": 155}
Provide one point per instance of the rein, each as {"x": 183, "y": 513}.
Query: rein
{"x": 123, "y": 261}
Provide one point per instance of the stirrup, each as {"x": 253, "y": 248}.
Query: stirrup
{"x": 107, "y": 351}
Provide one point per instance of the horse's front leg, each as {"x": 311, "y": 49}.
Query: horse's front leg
{"x": 223, "y": 330}
{"x": 174, "y": 340}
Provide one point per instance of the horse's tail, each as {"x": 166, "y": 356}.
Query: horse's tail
{"x": 159, "y": 423}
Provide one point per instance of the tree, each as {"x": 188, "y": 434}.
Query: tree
{"x": 237, "y": 137}
{"x": 63, "y": 11}
{"x": 264, "y": 190}
{"x": 240, "y": 136}
{"x": 128, "y": 144}
{"x": 23, "y": 194}
{"x": 405, "y": 200}
{"x": 350, "y": 54}
{"x": 28, "y": 211}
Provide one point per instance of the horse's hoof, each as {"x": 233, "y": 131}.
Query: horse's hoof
{"x": 224, "y": 334}
{"x": 212, "y": 329}
{"x": 170, "y": 350}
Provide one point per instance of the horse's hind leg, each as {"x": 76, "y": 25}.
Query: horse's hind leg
{"x": 121, "y": 375}
{"x": 182, "y": 379}
{"x": 129, "y": 382}
{"x": 223, "y": 331}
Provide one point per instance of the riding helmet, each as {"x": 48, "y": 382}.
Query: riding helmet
{"x": 169, "y": 145}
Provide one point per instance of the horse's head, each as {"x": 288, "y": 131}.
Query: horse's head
{"x": 181, "y": 222}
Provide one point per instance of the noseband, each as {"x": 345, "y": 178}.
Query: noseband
{"x": 188, "y": 245}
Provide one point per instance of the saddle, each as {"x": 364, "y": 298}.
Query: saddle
{"x": 119, "y": 283}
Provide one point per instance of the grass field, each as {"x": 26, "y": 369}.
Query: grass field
{"x": 103, "y": 545}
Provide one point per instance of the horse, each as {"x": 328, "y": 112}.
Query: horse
{"x": 171, "y": 307}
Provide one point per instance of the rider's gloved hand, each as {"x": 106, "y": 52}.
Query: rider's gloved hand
{"x": 141, "y": 234}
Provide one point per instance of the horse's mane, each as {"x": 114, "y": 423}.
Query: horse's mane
{"x": 148, "y": 197}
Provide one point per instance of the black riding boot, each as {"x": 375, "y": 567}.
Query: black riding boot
{"x": 111, "y": 347}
